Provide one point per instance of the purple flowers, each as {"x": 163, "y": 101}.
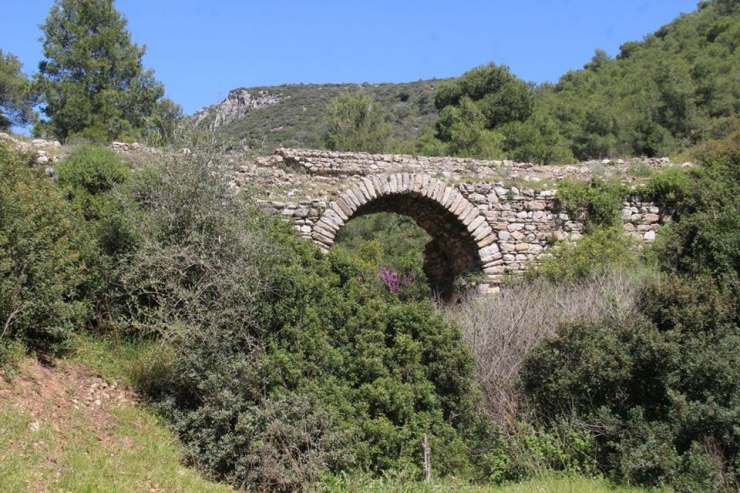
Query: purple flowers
{"x": 393, "y": 280}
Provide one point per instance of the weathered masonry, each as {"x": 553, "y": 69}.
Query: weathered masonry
{"x": 478, "y": 221}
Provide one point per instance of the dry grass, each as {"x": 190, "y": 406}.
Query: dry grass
{"x": 502, "y": 330}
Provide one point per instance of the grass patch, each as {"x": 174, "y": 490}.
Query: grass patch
{"x": 137, "y": 454}
{"x": 401, "y": 484}
{"x": 76, "y": 427}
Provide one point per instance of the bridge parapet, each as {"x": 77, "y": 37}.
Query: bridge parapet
{"x": 338, "y": 164}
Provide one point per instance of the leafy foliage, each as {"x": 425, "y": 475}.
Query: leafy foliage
{"x": 46, "y": 258}
{"x": 659, "y": 96}
{"x": 284, "y": 364}
{"x": 601, "y": 250}
{"x": 477, "y": 103}
{"x": 704, "y": 240}
{"x": 597, "y": 204}
{"x": 659, "y": 390}
{"x": 499, "y": 95}
{"x": 391, "y": 242}
{"x": 89, "y": 176}
{"x": 356, "y": 124}
{"x": 16, "y": 98}
{"x": 91, "y": 82}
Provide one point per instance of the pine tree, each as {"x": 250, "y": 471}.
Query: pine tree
{"x": 16, "y": 100}
{"x": 92, "y": 82}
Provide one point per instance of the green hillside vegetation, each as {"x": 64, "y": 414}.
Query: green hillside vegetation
{"x": 280, "y": 368}
{"x": 661, "y": 96}
{"x": 408, "y": 107}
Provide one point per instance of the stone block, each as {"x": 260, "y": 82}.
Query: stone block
{"x": 515, "y": 227}
{"x": 481, "y": 219}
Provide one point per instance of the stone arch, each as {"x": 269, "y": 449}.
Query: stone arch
{"x": 462, "y": 240}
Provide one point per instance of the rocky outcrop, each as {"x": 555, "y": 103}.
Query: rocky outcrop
{"x": 238, "y": 103}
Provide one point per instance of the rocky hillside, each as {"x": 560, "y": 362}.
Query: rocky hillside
{"x": 266, "y": 118}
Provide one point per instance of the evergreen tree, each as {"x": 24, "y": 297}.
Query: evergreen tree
{"x": 475, "y": 107}
{"x": 92, "y": 82}
{"x": 500, "y": 96}
{"x": 15, "y": 96}
{"x": 356, "y": 123}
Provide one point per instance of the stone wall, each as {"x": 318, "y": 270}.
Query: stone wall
{"x": 495, "y": 218}
{"x": 339, "y": 164}
{"x": 478, "y": 220}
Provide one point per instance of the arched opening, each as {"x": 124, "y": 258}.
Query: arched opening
{"x": 392, "y": 246}
{"x": 457, "y": 229}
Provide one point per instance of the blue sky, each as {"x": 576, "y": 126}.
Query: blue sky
{"x": 201, "y": 49}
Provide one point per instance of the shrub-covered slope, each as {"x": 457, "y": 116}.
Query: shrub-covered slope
{"x": 298, "y": 114}
{"x": 663, "y": 95}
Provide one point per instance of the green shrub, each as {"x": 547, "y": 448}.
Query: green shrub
{"x": 47, "y": 261}
{"x": 93, "y": 169}
{"x": 89, "y": 176}
{"x": 704, "y": 238}
{"x": 667, "y": 187}
{"x": 596, "y": 203}
{"x": 526, "y": 451}
{"x": 12, "y": 352}
{"x": 389, "y": 241}
{"x": 595, "y": 253}
{"x": 660, "y": 391}
{"x": 287, "y": 363}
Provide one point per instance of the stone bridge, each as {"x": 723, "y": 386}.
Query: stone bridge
{"x": 490, "y": 218}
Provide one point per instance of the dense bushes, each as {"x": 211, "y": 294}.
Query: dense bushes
{"x": 47, "y": 261}
{"x": 705, "y": 240}
{"x": 278, "y": 365}
{"x": 660, "y": 390}
{"x": 284, "y": 363}
{"x": 596, "y": 203}
{"x": 503, "y": 330}
{"x": 387, "y": 247}
{"x": 602, "y": 250}
{"x": 275, "y": 363}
